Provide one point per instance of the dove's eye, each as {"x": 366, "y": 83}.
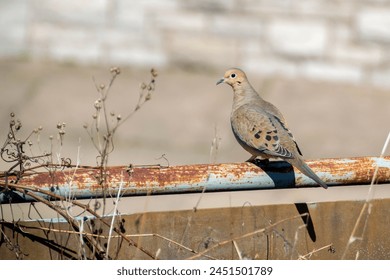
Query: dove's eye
{"x": 233, "y": 75}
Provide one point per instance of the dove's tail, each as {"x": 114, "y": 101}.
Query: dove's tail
{"x": 302, "y": 166}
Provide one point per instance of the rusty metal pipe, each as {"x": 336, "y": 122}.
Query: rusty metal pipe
{"x": 148, "y": 180}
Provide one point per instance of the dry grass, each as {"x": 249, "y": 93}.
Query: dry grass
{"x": 364, "y": 215}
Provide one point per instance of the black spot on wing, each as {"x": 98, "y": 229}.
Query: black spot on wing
{"x": 257, "y": 134}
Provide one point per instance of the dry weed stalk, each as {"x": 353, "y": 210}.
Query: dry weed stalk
{"x": 101, "y": 132}
{"x": 308, "y": 255}
{"x": 215, "y": 145}
{"x": 32, "y": 191}
{"x": 366, "y": 208}
{"x": 105, "y": 125}
{"x": 14, "y": 152}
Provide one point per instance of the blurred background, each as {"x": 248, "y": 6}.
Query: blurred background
{"x": 324, "y": 63}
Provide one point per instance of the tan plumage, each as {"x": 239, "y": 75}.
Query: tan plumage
{"x": 259, "y": 126}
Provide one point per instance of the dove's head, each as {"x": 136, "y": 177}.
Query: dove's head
{"x": 234, "y": 77}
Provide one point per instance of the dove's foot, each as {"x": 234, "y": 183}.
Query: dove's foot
{"x": 252, "y": 159}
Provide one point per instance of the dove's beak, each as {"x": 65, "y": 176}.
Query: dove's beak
{"x": 221, "y": 81}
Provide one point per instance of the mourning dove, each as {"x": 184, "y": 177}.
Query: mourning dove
{"x": 259, "y": 126}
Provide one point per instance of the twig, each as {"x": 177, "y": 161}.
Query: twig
{"x": 114, "y": 215}
{"x": 308, "y": 255}
{"x": 237, "y": 250}
{"x": 215, "y": 143}
{"x": 296, "y": 238}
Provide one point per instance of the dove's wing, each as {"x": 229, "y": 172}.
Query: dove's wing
{"x": 262, "y": 131}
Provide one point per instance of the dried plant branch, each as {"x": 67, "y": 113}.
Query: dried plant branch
{"x": 215, "y": 145}
{"x": 237, "y": 250}
{"x": 25, "y": 227}
{"x": 308, "y": 255}
{"x": 91, "y": 243}
{"x": 114, "y": 215}
{"x": 32, "y": 190}
{"x": 101, "y": 132}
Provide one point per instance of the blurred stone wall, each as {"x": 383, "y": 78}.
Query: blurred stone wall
{"x": 343, "y": 40}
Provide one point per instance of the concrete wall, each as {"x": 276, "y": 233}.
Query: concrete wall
{"x": 334, "y": 40}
